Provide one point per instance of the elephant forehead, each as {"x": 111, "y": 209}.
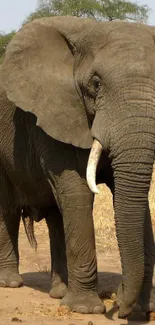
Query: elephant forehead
{"x": 125, "y": 57}
{"x": 118, "y": 44}
{"x": 116, "y": 34}
{"x": 130, "y": 32}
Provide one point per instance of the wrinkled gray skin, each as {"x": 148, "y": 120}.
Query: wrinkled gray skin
{"x": 82, "y": 80}
{"x": 47, "y": 179}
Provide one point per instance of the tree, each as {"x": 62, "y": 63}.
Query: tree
{"x": 79, "y": 8}
{"x": 39, "y": 13}
{"x": 4, "y": 41}
{"x": 98, "y": 9}
{"x": 123, "y": 10}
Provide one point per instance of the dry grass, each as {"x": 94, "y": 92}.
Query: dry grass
{"x": 104, "y": 220}
{"x": 104, "y": 217}
{"x": 152, "y": 199}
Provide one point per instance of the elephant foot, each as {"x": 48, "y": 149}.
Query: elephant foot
{"x": 58, "y": 291}
{"x": 12, "y": 280}
{"x": 146, "y": 302}
{"x": 124, "y": 312}
{"x": 58, "y": 287}
{"x": 145, "y": 305}
{"x": 123, "y": 303}
{"x": 84, "y": 303}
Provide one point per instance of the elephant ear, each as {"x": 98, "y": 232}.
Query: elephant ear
{"x": 37, "y": 75}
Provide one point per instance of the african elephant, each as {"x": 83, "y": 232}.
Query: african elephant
{"x": 86, "y": 85}
{"x": 42, "y": 177}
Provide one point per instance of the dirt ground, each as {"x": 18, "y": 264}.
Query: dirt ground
{"x": 31, "y": 304}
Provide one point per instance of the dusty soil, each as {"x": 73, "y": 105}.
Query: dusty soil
{"x": 32, "y": 305}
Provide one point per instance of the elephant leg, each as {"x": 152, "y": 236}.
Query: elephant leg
{"x": 59, "y": 276}
{"x": 147, "y": 296}
{"x": 76, "y": 203}
{"x": 9, "y": 228}
{"x": 9, "y": 257}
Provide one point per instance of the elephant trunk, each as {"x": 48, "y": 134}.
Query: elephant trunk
{"x": 130, "y": 205}
{"x": 132, "y": 153}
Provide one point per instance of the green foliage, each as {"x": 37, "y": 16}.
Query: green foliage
{"x": 98, "y": 9}
{"x": 118, "y": 9}
{"x": 4, "y": 41}
{"x": 39, "y": 13}
{"x": 79, "y": 8}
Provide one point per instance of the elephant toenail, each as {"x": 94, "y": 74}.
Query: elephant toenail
{"x": 15, "y": 284}
{"x": 2, "y": 284}
{"x": 99, "y": 309}
{"x": 83, "y": 310}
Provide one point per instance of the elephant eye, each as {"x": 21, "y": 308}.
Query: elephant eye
{"x": 96, "y": 83}
{"x": 92, "y": 88}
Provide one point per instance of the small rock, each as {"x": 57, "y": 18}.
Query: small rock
{"x": 90, "y": 323}
{"x": 63, "y": 311}
{"x": 16, "y": 319}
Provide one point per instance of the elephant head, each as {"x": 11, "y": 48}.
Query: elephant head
{"x": 86, "y": 80}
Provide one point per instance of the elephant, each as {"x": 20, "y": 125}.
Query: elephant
{"x": 40, "y": 178}
{"x": 77, "y": 108}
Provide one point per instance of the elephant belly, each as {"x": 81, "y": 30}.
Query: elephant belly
{"x": 36, "y": 194}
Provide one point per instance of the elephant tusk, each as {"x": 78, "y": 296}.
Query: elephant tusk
{"x": 93, "y": 160}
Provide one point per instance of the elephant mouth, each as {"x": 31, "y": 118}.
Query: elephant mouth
{"x": 93, "y": 160}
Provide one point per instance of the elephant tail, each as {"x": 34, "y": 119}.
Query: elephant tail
{"x": 29, "y": 228}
